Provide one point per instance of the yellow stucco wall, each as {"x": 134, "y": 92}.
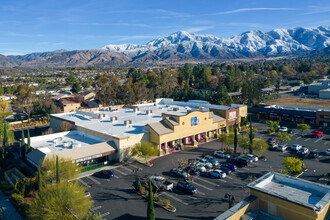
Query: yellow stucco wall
{"x": 243, "y": 111}
{"x": 286, "y": 209}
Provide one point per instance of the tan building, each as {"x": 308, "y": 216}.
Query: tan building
{"x": 277, "y": 196}
{"x": 70, "y": 104}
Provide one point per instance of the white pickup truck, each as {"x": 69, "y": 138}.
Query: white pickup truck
{"x": 161, "y": 182}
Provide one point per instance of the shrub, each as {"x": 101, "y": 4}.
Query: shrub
{"x": 268, "y": 131}
{"x": 227, "y": 149}
{"x": 283, "y": 171}
{"x": 156, "y": 199}
{"x": 142, "y": 190}
{"x": 7, "y": 189}
{"x": 166, "y": 202}
{"x": 18, "y": 198}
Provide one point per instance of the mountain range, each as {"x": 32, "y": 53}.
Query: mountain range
{"x": 183, "y": 46}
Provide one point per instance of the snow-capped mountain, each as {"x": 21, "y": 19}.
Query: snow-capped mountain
{"x": 273, "y": 43}
{"x": 183, "y": 46}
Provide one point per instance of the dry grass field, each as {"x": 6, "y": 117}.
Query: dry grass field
{"x": 303, "y": 102}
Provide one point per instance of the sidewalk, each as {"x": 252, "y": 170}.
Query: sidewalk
{"x": 7, "y": 209}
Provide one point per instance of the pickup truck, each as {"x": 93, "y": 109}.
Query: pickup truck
{"x": 161, "y": 182}
{"x": 317, "y": 133}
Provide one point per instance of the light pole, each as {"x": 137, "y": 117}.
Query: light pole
{"x": 231, "y": 200}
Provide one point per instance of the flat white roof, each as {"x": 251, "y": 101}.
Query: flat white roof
{"x": 303, "y": 192}
{"x": 103, "y": 121}
{"x": 62, "y": 141}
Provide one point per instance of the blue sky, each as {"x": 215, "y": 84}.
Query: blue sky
{"x": 45, "y": 25}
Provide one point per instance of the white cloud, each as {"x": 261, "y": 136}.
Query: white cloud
{"x": 110, "y": 24}
{"x": 253, "y": 9}
{"x": 198, "y": 29}
{"x": 317, "y": 10}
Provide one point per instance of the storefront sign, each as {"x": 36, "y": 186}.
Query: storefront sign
{"x": 194, "y": 121}
{"x": 89, "y": 158}
{"x": 232, "y": 115}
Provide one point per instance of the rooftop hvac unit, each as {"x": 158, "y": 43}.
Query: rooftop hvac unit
{"x": 67, "y": 144}
{"x": 149, "y": 112}
{"x": 176, "y": 109}
{"x": 136, "y": 110}
{"x": 114, "y": 119}
{"x": 76, "y": 145}
{"x": 113, "y": 109}
{"x": 57, "y": 140}
{"x": 167, "y": 106}
{"x": 128, "y": 123}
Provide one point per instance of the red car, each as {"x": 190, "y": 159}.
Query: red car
{"x": 317, "y": 134}
{"x": 271, "y": 140}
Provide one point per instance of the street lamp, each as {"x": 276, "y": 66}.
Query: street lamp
{"x": 231, "y": 200}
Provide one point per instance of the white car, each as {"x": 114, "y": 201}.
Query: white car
{"x": 282, "y": 148}
{"x": 283, "y": 129}
{"x": 303, "y": 151}
{"x": 296, "y": 147}
{"x": 254, "y": 158}
{"x": 199, "y": 167}
{"x": 204, "y": 162}
{"x": 328, "y": 152}
{"x": 221, "y": 154}
{"x": 217, "y": 173}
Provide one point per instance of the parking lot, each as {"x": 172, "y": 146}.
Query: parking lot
{"x": 115, "y": 199}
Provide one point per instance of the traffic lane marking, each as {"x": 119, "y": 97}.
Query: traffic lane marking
{"x": 121, "y": 172}
{"x": 175, "y": 198}
{"x": 205, "y": 187}
{"x": 105, "y": 214}
{"x": 94, "y": 180}
{"x": 84, "y": 183}
{"x": 206, "y": 181}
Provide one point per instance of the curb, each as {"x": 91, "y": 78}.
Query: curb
{"x": 164, "y": 155}
{"x": 97, "y": 170}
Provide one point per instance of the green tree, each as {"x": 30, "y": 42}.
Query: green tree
{"x": 3, "y": 104}
{"x": 293, "y": 164}
{"x": 107, "y": 87}
{"x": 71, "y": 80}
{"x": 44, "y": 106}
{"x": 145, "y": 150}
{"x": 39, "y": 178}
{"x": 29, "y": 141}
{"x": 283, "y": 137}
{"x": 226, "y": 139}
{"x": 251, "y": 136}
{"x": 24, "y": 100}
{"x": 303, "y": 127}
{"x": 273, "y": 125}
{"x": 57, "y": 170}
{"x": 60, "y": 201}
{"x": 151, "y": 210}
{"x": 66, "y": 169}
{"x": 259, "y": 145}
{"x": 244, "y": 143}
{"x": 235, "y": 138}
{"x": 76, "y": 87}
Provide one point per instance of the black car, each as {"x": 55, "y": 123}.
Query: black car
{"x": 186, "y": 187}
{"x": 313, "y": 154}
{"x": 290, "y": 131}
{"x": 107, "y": 173}
{"x": 241, "y": 162}
{"x": 226, "y": 170}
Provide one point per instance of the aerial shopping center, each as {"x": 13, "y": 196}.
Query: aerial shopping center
{"x": 104, "y": 135}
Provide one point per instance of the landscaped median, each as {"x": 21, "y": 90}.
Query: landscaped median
{"x": 165, "y": 204}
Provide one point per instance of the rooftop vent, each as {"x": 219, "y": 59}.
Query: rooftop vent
{"x": 128, "y": 123}
{"x": 114, "y": 119}
{"x": 113, "y": 109}
{"x": 57, "y": 140}
{"x": 176, "y": 109}
{"x": 76, "y": 145}
{"x": 136, "y": 110}
{"x": 149, "y": 112}
{"x": 67, "y": 144}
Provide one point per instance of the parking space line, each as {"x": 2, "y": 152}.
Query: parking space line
{"x": 84, "y": 183}
{"x": 136, "y": 167}
{"x": 121, "y": 172}
{"x": 199, "y": 192}
{"x": 173, "y": 197}
{"x": 161, "y": 193}
{"x": 105, "y": 214}
{"x": 207, "y": 181}
{"x": 318, "y": 140}
{"x": 229, "y": 177}
{"x": 116, "y": 177}
{"x": 126, "y": 168}
{"x": 94, "y": 180}
{"x": 205, "y": 187}
{"x": 244, "y": 168}
{"x": 193, "y": 197}
{"x": 96, "y": 208}
{"x": 325, "y": 143}
{"x": 223, "y": 181}
{"x": 307, "y": 139}
{"x": 298, "y": 138}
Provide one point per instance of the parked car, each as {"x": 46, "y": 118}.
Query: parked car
{"x": 317, "y": 134}
{"x": 271, "y": 140}
{"x": 161, "y": 182}
{"x": 192, "y": 171}
{"x": 273, "y": 145}
{"x": 327, "y": 152}
{"x": 179, "y": 172}
{"x": 217, "y": 173}
{"x": 282, "y": 148}
{"x": 87, "y": 194}
{"x": 230, "y": 166}
{"x": 212, "y": 160}
{"x": 247, "y": 158}
{"x": 302, "y": 151}
{"x": 283, "y": 129}
{"x": 226, "y": 170}
{"x": 221, "y": 154}
{"x": 107, "y": 173}
{"x": 254, "y": 158}
{"x": 313, "y": 154}
{"x": 290, "y": 131}
{"x": 296, "y": 147}
{"x": 240, "y": 162}
{"x": 199, "y": 167}
{"x": 186, "y": 187}
{"x": 204, "y": 162}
